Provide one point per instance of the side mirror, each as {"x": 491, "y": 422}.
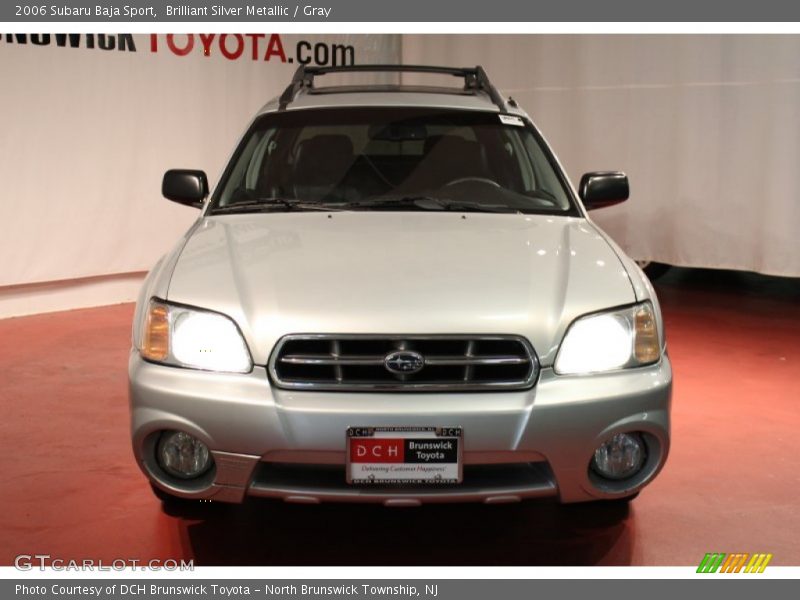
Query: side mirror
{"x": 185, "y": 187}
{"x": 603, "y": 188}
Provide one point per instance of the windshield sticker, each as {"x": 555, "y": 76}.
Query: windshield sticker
{"x": 512, "y": 120}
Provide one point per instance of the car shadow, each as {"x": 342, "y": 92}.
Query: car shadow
{"x": 267, "y": 532}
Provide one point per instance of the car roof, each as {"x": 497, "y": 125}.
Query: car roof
{"x": 396, "y": 97}
{"x": 477, "y": 94}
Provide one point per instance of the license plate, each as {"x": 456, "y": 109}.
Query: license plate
{"x": 404, "y": 455}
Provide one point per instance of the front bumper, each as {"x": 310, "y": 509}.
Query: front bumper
{"x": 291, "y": 444}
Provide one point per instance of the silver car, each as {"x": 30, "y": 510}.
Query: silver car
{"x": 395, "y": 295}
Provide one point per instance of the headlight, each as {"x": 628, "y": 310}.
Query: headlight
{"x": 189, "y": 337}
{"x": 611, "y": 340}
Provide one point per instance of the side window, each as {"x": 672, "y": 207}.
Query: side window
{"x": 545, "y": 176}
{"x": 523, "y": 176}
{"x": 516, "y": 149}
{"x": 506, "y": 158}
{"x": 246, "y": 169}
{"x": 256, "y": 164}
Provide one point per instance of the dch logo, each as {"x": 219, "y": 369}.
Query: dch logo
{"x": 377, "y": 451}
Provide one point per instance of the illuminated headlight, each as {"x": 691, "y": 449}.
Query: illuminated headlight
{"x": 612, "y": 340}
{"x": 190, "y": 337}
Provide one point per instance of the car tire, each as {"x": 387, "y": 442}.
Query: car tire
{"x": 652, "y": 269}
{"x": 186, "y": 507}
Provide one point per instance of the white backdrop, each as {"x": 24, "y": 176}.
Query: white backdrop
{"x": 707, "y": 128}
{"x": 87, "y": 135}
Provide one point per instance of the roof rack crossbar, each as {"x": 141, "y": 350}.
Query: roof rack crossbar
{"x": 475, "y": 78}
{"x": 482, "y": 83}
{"x": 299, "y": 80}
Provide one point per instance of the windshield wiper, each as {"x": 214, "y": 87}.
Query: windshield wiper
{"x": 420, "y": 201}
{"x": 431, "y": 203}
{"x": 262, "y": 204}
{"x": 428, "y": 202}
{"x": 478, "y": 207}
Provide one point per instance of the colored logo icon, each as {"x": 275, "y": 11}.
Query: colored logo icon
{"x": 719, "y": 562}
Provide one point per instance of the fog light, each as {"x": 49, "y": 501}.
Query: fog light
{"x": 620, "y": 457}
{"x": 182, "y": 455}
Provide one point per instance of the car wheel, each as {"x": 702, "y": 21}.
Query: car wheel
{"x": 186, "y": 507}
{"x": 652, "y": 269}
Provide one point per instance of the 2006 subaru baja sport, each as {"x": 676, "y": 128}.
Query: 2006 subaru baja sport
{"x": 395, "y": 295}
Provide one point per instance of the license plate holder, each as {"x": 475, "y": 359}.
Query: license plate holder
{"x": 393, "y": 456}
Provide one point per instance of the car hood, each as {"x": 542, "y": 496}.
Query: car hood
{"x": 399, "y": 272}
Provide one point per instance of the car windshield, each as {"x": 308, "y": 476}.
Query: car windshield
{"x": 392, "y": 158}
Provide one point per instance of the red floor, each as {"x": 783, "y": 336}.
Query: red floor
{"x": 732, "y": 483}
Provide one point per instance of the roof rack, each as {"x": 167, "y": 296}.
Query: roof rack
{"x": 475, "y": 78}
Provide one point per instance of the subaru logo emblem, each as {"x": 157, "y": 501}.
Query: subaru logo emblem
{"x": 404, "y": 362}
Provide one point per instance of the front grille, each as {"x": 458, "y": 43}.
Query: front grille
{"x": 440, "y": 363}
